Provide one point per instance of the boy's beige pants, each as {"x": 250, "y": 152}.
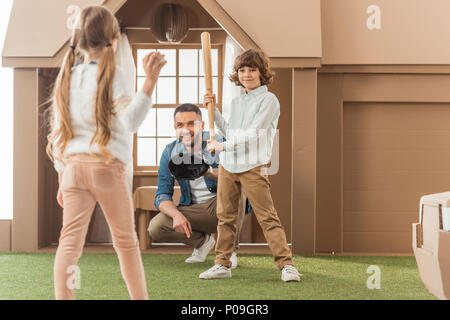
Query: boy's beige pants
{"x": 86, "y": 180}
{"x": 257, "y": 188}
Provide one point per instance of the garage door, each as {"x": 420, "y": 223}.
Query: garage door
{"x": 393, "y": 154}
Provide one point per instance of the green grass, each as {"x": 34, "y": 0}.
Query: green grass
{"x": 30, "y": 276}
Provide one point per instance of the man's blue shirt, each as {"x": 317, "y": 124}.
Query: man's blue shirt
{"x": 166, "y": 180}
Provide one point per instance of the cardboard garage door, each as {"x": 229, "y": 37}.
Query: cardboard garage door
{"x": 393, "y": 154}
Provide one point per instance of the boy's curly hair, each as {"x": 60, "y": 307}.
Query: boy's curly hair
{"x": 254, "y": 59}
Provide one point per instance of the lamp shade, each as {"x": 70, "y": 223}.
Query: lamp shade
{"x": 170, "y": 23}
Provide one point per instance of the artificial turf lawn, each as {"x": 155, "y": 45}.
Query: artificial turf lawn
{"x": 30, "y": 276}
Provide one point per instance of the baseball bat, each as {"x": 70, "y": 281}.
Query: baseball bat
{"x": 206, "y": 48}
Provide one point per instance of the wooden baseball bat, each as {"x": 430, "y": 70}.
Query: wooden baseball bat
{"x": 206, "y": 47}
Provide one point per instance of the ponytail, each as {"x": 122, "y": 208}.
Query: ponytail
{"x": 104, "y": 105}
{"x": 61, "y": 131}
{"x": 98, "y": 27}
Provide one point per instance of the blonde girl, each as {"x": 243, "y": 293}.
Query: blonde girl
{"x": 93, "y": 118}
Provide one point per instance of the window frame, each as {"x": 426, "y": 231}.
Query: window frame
{"x": 143, "y": 170}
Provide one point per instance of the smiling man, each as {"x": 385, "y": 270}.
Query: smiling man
{"x": 194, "y": 220}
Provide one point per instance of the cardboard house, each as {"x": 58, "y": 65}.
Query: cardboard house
{"x": 364, "y": 92}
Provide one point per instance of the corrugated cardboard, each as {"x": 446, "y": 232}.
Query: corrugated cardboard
{"x": 431, "y": 245}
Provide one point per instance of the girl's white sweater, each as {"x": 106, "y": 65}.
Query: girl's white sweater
{"x": 131, "y": 112}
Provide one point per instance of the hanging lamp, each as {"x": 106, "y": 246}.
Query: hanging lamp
{"x": 170, "y": 23}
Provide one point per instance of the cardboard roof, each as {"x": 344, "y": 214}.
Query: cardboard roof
{"x": 38, "y": 28}
{"x": 38, "y": 31}
{"x": 282, "y": 29}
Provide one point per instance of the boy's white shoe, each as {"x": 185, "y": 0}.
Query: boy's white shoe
{"x": 200, "y": 254}
{"x": 234, "y": 261}
{"x": 289, "y": 273}
{"x": 218, "y": 271}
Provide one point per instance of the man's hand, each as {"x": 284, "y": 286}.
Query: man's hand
{"x": 214, "y": 146}
{"x": 212, "y": 173}
{"x": 182, "y": 225}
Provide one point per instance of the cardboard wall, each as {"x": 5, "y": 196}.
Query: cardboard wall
{"x": 411, "y": 32}
{"x": 381, "y": 145}
{"x": 304, "y": 161}
{"x": 329, "y": 163}
{"x": 394, "y": 153}
{"x": 290, "y": 28}
{"x": 26, "y": 24}
{"x": 49, "y": 212}
{"x": 5, "y": 235}
{"x": 25, "y": 189}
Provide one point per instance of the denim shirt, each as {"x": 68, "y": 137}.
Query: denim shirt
{"x": 166, "y": 180}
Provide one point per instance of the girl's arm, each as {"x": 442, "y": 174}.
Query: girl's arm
{"x": 58, "y": 165}
{"x": 132, "y": 112}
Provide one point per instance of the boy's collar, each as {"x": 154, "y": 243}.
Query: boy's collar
{"x": 257, "y": 91}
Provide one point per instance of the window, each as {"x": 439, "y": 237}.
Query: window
{"x": 181, "y": 81}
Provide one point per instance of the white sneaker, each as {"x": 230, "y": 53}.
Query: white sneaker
{"x": 200, "y": 254}
{"x": 233, "y": 259}
{"x": 218, "y": 271}
{"x": 290, "y": 273}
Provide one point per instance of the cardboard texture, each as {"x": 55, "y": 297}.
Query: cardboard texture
{"x": 5, "y": 235}
{"x": 29, "y": 35}
{"x": 296, "y": 34}
{"x": 411, "y": 32}
{"x": 363, "y": 113}
{"x": 431, "y": 245}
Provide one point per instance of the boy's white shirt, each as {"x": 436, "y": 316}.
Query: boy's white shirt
{"x": 131, "y": 111}
{"x": 253, "y": 117}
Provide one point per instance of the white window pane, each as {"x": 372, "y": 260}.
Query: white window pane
{"x": 141, "y": 53}
{"x": 165, "y": 122}
{"x": 188, "y": 62}
{"x": 162, "y": 143}
{"x": 170, "y": 69}
{"x": 205, "y": 118}
{"x": 166, "y": 91}
{"x": 215, "y": 82}
{"x": 148, "y": 127}
{"x": 146, "y": 152}
{"x": 214, "y": 62}
{"x": 140, "y": 83}
{"x": 188, "y": 90}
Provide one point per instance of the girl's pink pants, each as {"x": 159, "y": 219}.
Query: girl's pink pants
{"x": 86, "y": 180}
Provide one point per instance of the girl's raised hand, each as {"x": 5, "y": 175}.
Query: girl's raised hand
{"x": 153, "y": 64}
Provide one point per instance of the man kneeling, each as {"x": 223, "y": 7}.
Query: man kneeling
{"x": 194, "y": 220}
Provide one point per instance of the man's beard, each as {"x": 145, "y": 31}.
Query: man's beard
{"x": 194, "y": 139}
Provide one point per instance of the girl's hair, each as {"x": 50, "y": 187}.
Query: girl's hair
{"x": 254, "y": 59}
{"x": 96, "y": 29}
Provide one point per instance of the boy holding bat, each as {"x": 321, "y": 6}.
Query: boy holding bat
{"x": 254, "y": 117}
